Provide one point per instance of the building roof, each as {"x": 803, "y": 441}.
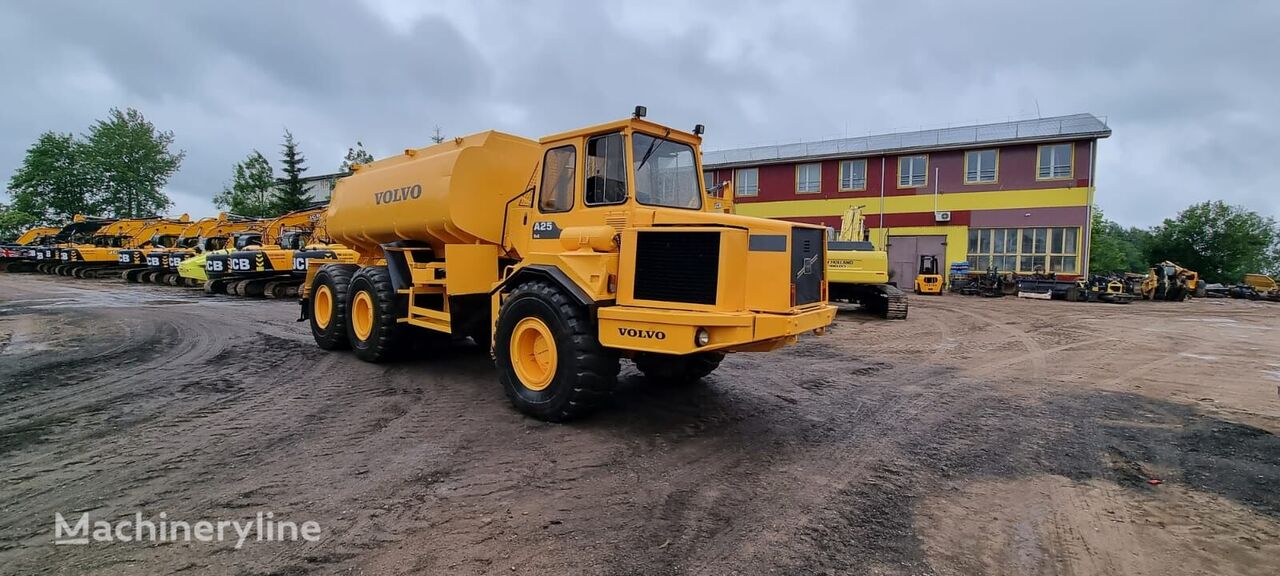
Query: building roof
{"x": 1072, "y": 127}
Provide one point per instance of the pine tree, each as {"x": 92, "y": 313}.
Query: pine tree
{"x": 291, "y": 193}
{"x": 436, "y": 137}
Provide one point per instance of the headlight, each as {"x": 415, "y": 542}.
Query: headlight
{"x": 702, "y": 338}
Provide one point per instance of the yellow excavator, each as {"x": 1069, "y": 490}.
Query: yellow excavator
{"x": 275, "y": 267}
{"x": 858, "y": 273}
{"x": 138, "y": 262}
{"x": 101, "y": 258}
{"x": 14, "y": 255}
{"x": 1169, "y": 281}
{"x": 191, "y": 268}
{"x": 206, "y": 234}
{"x": 79, "y": 230}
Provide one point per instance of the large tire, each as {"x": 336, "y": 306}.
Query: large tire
{"x": 666, "y": 368}
{"x": 578, "y": 373}
{"x": 372, "y": 309}
{"x": 333, "y": 280}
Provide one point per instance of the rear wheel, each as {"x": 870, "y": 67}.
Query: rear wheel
{"x": 684, "y": 369}
{"x": 372, "y": 308}
{"x": 550, "y": 363}
{"x": 328, "y": 304}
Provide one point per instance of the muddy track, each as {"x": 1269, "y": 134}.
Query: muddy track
{"x": 881, "y": 448}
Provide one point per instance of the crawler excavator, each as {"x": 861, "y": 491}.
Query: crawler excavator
{"x": 277, "y": 266}
{"x": 206, "y": 234}
{"x": 191, "y": 270}
{"x": 101, "y": 258}
{"x": 858, "y": 273}
{"x": 142, "y": 263}
{"x": 563, "y": 256}
{"x": 17, "y": 256}
{"x": 80, "y": 229}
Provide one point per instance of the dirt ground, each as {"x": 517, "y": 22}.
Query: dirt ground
{"x": 980, "y": 436}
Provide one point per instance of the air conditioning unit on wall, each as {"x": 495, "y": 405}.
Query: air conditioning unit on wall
{"x": 942, "y": 216}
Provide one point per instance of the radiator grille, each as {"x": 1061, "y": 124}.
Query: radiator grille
{"x": 677, "y": 266}
{"x": 808, "y": 268}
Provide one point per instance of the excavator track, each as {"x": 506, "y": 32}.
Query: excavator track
{"x": 896, "y": 305}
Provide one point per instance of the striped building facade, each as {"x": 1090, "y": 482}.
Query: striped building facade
{"x": 1013, "y": 195}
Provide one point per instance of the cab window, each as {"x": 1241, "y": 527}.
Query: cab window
{"x": 666, "y": 173}
{"x": 556, "y": 191}
{"x": 606, "y": 171}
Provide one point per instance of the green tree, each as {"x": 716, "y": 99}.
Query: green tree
{"x": 1220, "y": 241}
{"x": 251, "y": 191}
{"x": 1113, "y": 248}
{"x": 291, "y": 193}
{"x": 435, "y": 136}
{"x": 357, "y": 155}
{"x": 53, "y": 184}
{"x": 13, "y": 223}
{"x": 130, "y": 162}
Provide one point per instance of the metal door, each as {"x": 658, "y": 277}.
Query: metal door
{"x": 904, "y": 256}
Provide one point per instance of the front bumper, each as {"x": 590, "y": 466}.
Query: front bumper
{"x": 674, "y": 331}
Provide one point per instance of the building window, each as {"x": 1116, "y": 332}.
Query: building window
{"x": 746, "y": 182}
{"x": 853, "y": 175}
{"x": 1025, "y": 250}
{"x": 1055, "y": 161}
{"x": 913, "y": 171}
{"x": 709, "y": 179}
{"x": 980, "y": 166}
{"x": 808, "y": 178}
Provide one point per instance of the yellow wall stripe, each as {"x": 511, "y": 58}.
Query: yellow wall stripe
{"x": 997, "y": 200}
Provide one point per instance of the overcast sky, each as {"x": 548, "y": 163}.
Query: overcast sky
{"x": 1191, "y": 90}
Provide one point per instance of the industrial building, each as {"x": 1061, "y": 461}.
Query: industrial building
{"x": 1014, "y": 195}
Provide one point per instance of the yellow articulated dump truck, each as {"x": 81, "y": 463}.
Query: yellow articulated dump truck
{"x": 563, "y": 255}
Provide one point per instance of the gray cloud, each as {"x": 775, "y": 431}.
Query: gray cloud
{"x": 1188, "y": 87}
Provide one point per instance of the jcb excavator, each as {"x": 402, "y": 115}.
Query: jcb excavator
{"x": 191, "y": 268}
{"x": 206, "y": 234}
{"x": 13, "y": 256}
{"x": 80, "y": 229}
{"x": 140, "y": 263}
{"x": 276, "y": 267}
{"x": 858, "y": 273}
{"x": 1169, "y": 281}
{"x": 101, "y": 258}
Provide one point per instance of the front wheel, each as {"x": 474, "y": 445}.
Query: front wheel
{"x": 550, "y": 363}
{"x": 684, "y": 369}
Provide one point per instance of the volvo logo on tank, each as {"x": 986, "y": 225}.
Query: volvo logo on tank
{"x": 398, "y": 194}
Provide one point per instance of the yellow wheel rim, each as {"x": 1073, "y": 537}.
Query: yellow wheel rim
{"x": 362, "y": 315}
{"x": 533, "y": 353}
{"x": 322, "y": 306}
